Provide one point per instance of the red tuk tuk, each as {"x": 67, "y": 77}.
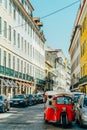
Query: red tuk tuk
{"x": 59, "y": 107}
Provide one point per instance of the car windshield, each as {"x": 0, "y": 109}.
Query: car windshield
{"x": 85, "y": 102}
{"x": 64, "y": 100}
{"x": 18, "y": 96}
{"x": 75, "y": 98}
{"x": 39, "y": 95}
{"x": 1, "y": 98}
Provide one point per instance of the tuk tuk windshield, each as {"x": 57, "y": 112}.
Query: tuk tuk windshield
{"x": 64, "y": 100}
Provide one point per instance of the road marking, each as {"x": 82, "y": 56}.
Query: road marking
{"x": 7, "y": 114}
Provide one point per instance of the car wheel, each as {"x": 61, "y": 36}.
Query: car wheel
{"x": 30, "y": 103}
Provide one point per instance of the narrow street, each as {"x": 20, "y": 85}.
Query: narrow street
{"x": 29, "y": 118}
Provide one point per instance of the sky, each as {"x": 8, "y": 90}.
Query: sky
{"x": 58, "y": 27}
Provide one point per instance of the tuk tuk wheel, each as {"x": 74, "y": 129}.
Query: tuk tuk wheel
{"x": 64, "y": 121}
{"x": 46, "y": 121}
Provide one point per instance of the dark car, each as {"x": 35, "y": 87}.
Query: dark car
{"x": 4, "y": 103}
{"x": 19, "y": 100}
{"x": 36, "y": 98}
{"x": 40, "y": 97}
{"x": 31, "y": 100}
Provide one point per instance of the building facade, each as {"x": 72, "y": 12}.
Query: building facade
{"x": 61, "y": 69}
{"x": 50, "y": 73}
{"x": 68, "y": 74}
{"x": 83, "y": 46}
{"x": 80, "y": 33}
{"x": 74, "y": 51}
{"x": 22, "y": 53}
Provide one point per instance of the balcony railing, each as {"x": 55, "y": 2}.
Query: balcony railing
{"x": 83, "y": 79}
{"x": 16, "y": 74}
{"x": 40, "y": 82}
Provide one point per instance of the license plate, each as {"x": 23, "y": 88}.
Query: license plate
{"x": 15, "y": 102}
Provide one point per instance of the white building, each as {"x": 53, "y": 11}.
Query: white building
{"x": 68, "y": 74}
{"x": 62, "y": 70}
{"x": 22, "y": 54}
{"x": 74, "y": 51}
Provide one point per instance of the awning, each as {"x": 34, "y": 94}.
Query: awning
{"x": 5, "y": 82}
{"x": 11, "y": 83}
{"x": 14, "y": 84}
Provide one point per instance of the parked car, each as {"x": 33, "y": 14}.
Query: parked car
{"x": 4, "y": 103}
{"x": 81, "y": 111}
{"x": 76, "y": 96}
{"x": 36, "y": 98}
{"x": 40, "y": 98}
{"x": 30, "y": 99}
{"x": 19, "y": 100}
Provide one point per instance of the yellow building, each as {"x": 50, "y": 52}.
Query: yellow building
{"x": 82, "y": 21}
{"x": 78, "y": 50}
{"x": 83, "y": 47}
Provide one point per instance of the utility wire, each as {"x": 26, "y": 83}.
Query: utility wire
{"x": 60, "y": 9}
{"x": 46, "y": 15}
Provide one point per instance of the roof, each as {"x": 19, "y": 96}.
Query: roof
{"x": 59, "y": 92}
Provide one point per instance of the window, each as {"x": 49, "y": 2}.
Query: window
{"x": 5, "y": 29}
{"x": 25, "y": 46}
{"x": 84, "y": 69}
{"x": 25, "y": 67}
{"x": 9, "y": 60}
{"x": 28, "y": 48}
{"x": 19, "y": 16}
{"x": 14, "y": 62}
{"x": 5, "y": 3}
{"x": 14, "y": 37}
{"x": 0, "y": 56}
{"x": 14, "y": 14}
{"x": 22, "y": 43}
{"x": 0, "y": 25}
{"x": 22, "y": 1}
{"x": 9, "y": 33}
{"x": 21, "y": 66}
{"x": 84, "y": 47}
{"x": 18, "y": 40}
{"x": 18, "y": 64}
{"x": 63, "y": 100}
{"x": 4, "y": 59}
{"x": 10, "y": 7}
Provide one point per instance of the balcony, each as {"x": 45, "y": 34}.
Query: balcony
{"x": 10, "y": 72}
{"x": 40, "y": 82}
{"x": 83, "y": 80}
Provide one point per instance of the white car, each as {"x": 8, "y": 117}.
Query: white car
{"x": 81, "y": 111}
